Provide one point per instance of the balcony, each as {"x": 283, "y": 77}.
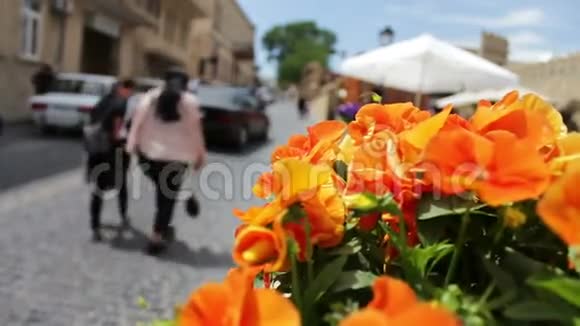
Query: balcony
{"x": 155, "y": 45}
{"x": 243, "y": 50}
{"x": 127, "y": 11}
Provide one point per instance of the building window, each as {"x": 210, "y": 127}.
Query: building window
{"x": 30, "y": 29}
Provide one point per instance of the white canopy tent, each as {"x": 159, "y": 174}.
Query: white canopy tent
{"x": 470, "y": 98}
{"x": 427, "y": 65}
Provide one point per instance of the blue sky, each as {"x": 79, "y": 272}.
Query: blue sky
{"x": 537, "y": 29}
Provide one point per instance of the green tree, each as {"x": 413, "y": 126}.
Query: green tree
{"x": 294, "y": 45}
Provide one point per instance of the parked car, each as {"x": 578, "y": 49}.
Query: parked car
{"x": 231, "y": 115}
{"x": 68, "y": 104}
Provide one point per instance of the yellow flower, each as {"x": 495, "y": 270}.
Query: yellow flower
{"x": 513, "y": 217}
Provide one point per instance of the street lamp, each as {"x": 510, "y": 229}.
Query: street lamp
{"x": 386, "y": 36}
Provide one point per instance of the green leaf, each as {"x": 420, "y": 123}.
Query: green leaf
{"x": 142, "y": 303}
{"x": 574, "y": 257}
{"x": 363, "y": 203}
{"x": 349, "y": 248}
{"x": 376, "y": 98}
{"x": 534, "y": 310}
{"x": 503, "y": 279}
{"x": 341, "y": 168}
{"x": 430, "y": 207}
{"x": 353, "y": 280}
{"x": 164, "y": 323}
{"x": 329, "y": 274}
{"x": 564, "y": 287}
{"x": 423, "y": 258}
{"x": 295, "y": 213}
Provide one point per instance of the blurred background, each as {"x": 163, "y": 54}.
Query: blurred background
{"x": 263, "y": 70}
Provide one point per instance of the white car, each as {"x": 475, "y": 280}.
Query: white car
{"x": 71, "y": 99}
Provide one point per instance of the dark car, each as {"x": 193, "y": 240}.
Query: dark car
{"x": 232, "y": 116}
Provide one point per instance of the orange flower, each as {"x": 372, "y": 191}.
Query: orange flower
{"x": 455, "y": 158}
{"x": 412, "y": 142}
{"x": 461, "y": 160}
{"x": 566, "y": 154}
{"x": 529, "y": 117}
{"x": 516, "y": 172}
{"x": 396, "y": 118}
{"x": 395, "y": 304}
{"x": 261, "y": 216}
{"x": 257, "y": 246}
{"x": 320, "y": 145}
{"x": 236, "y": 303}
{"x": 316, "y": 189}
{"x": 560, "y": 207}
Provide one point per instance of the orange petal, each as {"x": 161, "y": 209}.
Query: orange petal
{"x": 207, "y": 306}
{"x": 367, "y": 317}
{"x": 274, "y": 309}
{"x": 568, "y": 152}
{"x": 392, "y": 296}
{"x": 560, "y": 207}
{"x": 298, "y": 176}
{"x": 534, "y": 103}
{"x": 416, "y": 139}
{"x": 260, "y": 247}
{"x": 524, "y": 124}
{"x": 508, "y": 177}
{"x": 286, "y": 152}
{"x": 425, "y": 314}
{"x": 261, "y": 216}
{"x": 266, "y": 186}
{"x": 455, "y": 158}
{"x": 331, "y": 130}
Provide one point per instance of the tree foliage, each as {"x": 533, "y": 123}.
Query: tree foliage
{"x": 294, "y": 45}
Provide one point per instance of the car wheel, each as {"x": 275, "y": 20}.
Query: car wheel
{"x": 242, "y": 137}
{"x": 263, "y": 136}
{"x": 47, "y": 130}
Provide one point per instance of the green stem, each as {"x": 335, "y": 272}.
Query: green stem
{"x": 458, "y": 247}
{"x": 309, "y": 252}
{"x": 488, "y": 291}
{"x": 498, "y": 234}
{"x": 296, "y": 293}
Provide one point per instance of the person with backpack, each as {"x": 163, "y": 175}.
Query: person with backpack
{"x": 167, "y": 136}
{"x": 108, "y": 163}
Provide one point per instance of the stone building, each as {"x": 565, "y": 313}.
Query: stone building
{"x": 558, "y": 78}
{"x": 136, "y": 38}
{"x": 492, "y": 47}
{"x": 223, "y": 44}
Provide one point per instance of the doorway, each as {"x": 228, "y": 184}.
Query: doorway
{"x": 99, "y": 53}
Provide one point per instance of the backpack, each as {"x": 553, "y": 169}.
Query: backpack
{"x": 97, "y": 133}
{"x": 96, "y": 139}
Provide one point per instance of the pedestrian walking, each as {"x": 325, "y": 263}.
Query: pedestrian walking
{"x": 167, "y": 136}
{"x": 108, "y": 162}
{"x": 43, "y": 79}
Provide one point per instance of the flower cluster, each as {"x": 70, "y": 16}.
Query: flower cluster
{"x": 401, "y": 217}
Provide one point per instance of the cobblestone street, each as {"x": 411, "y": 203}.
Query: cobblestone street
{"x": 51, "y": 274}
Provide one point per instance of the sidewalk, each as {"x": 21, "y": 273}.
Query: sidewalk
{"x": 52, "y": 275}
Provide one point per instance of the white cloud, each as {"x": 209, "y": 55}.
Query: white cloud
{"x": 525, "y": 38}
{"x": 524, "y": 17}
{"x": 516, "y": 18}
